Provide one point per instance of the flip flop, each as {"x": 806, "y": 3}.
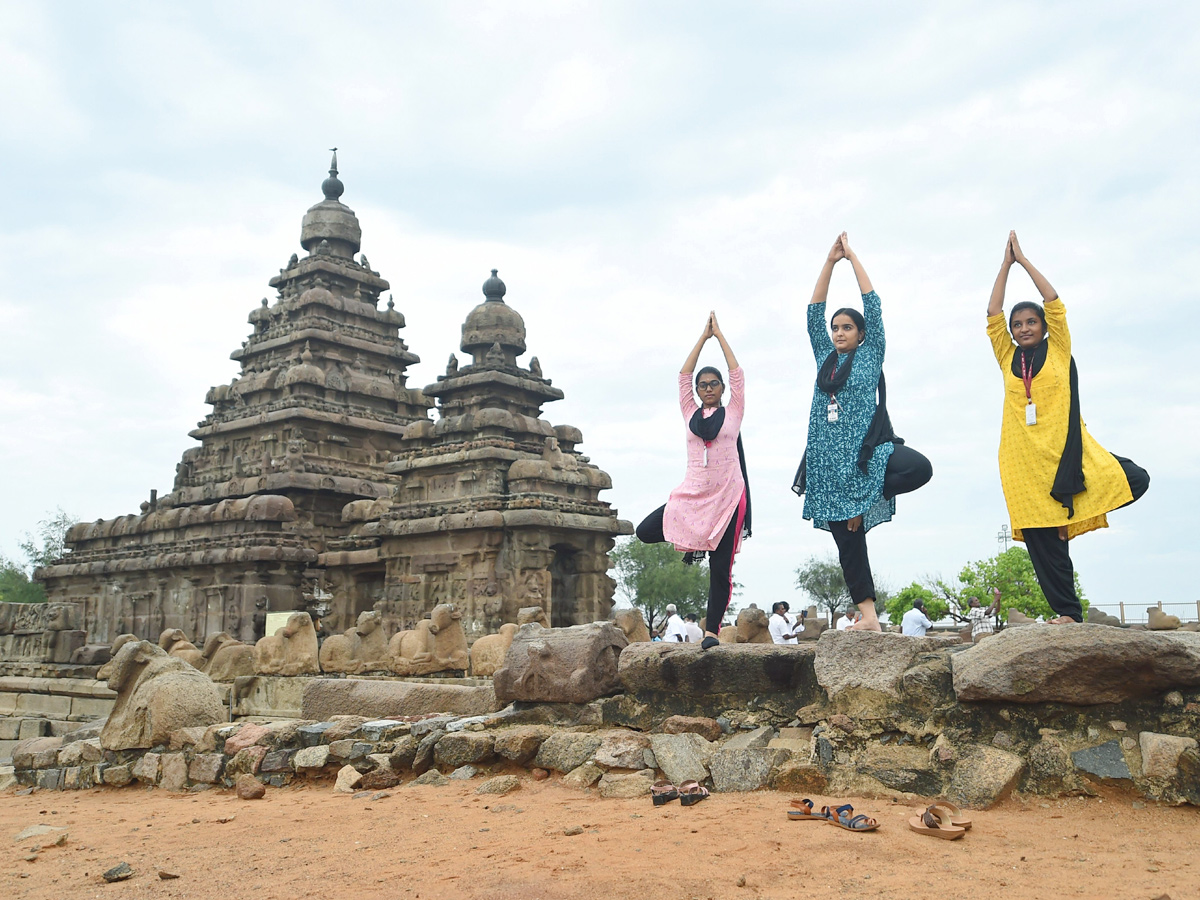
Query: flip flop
{"x": 663, "y": 792}
{"x": 844, "y": 817}
{"x": 691, "y": 792}
{"x": 954, "y": 814}
{"x": 803, "y": 812}
{"x": 931, "y": 823}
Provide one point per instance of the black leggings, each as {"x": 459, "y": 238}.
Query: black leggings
{"x": 1051, "y": 557}
{"x": 720, "y": 564}
{"x": 906, "y": 471}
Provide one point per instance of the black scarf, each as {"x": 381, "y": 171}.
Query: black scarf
{"x": 830, "y": 379}
{"x": 707, "y": 430}
{"x": 1068, "y": 480}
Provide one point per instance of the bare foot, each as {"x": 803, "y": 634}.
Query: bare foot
{"x": 869, "y": 621}
{"x": 854, "y": 524}
{"x": 1061, "y": 620}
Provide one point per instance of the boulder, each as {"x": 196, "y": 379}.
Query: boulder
{"x": 583, "y": 776}
{"x": 984, "y": 775}
{"x": 743, "y": 770}
{"x": 626, "y": 787}
{"x": 520, "y": 744}
{"x": 327, "y": 697}
{"x": 561, "y": 665}
{"x": 1078, "y": 664}
{"x": 741, "y": 668}
{"x": 623, "y": 750}
{"x": 866, "y": 669}
{"x": 382, "y": 776}
{"x": 709, "y": 729}
{"x": 250, "y": 788}
{"x": 1161, "y": 752}
{"x": 156, "y": 694}
{"x": 682, "y": 757}
{"x": 462, "y": 747}
{"x": 501, "y": 784}
{"x": 567, "y": 750}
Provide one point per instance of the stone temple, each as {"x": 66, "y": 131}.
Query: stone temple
{"x": 322, "y": 484}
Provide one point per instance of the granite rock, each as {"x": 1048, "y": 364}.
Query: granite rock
{"x": 327, "y": 697}
{"x": 561, "y": 665}
{"x": 984, "y": 775}
{"x": 626, "y": 787}
{"x": 743, "y": 770}
{"x": 1161, "y": 752}
{"x": 682, "y": 757}
{"x": 567, "y": 750}
{"x": 740, "y": 668}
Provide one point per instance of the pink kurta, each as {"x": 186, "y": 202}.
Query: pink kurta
{"x": 699, "y": 510}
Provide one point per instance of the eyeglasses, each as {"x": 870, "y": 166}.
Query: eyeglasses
{"x": 709, "y": 385}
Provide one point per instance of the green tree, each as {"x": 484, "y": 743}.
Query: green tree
{"x": 650, "y": 576}
{"x": 821, "y": 579}
{"x": 40, "y": 549}
{"x": 1011, "y": 572}
{"x": 902, "y": 601}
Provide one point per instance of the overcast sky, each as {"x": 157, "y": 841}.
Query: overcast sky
{"x": 627, "y": 167}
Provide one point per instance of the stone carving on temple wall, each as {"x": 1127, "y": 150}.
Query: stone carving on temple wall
{"x": 291, "y": 650}
{"x": 488, "y": 652}
{"x": 40, "y": 632}
{"x": 156, "y": 695}
{"x": 437, "y": 644}
{"x": 363, "y": 648}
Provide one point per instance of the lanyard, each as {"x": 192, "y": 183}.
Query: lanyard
{"x": 1027, "y": 377}
{"x": 832, "y": 375}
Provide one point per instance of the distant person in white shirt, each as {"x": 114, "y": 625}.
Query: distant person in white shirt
{"x": 675, "y": 630}
{"x": 782, "y": 626}
{"x": 846, "y": 622}
{"x": 695, "y": 634}
{"x": 915, "y": 623}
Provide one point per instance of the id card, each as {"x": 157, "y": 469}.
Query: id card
{"x": 1030, "y": 413}
{"x": 832, "y": 412}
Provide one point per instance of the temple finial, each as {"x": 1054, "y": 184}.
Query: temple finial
{"x": 331, "y": 187}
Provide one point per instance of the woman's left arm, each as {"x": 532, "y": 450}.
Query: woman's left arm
{"x": 737, "y": 399}
{"x": 1056, "y": 313}
{"x": 872, "y": 312}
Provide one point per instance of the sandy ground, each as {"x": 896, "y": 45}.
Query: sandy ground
{"x": 448, "y": 842}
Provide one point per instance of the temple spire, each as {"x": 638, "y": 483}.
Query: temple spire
{"x": 332, "y": 187}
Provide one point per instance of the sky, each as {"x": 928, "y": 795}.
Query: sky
{"x": 627, "y": 167}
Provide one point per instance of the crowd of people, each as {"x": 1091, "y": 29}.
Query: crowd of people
{"x": 1058, "y": 481}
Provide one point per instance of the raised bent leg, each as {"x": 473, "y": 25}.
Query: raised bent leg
{"x": 906, "y": 471}
{"x": 651, "y": 529}
{"x": 1138, "y": 478}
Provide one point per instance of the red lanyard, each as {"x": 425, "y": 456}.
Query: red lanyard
{"x": 1027, "y": 377}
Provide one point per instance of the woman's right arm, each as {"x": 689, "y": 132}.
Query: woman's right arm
{"x": 997, "y": 328}
{"x": 819, "y": 338}
{"x": 689, "y": 365}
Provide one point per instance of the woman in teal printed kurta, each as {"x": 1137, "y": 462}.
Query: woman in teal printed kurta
{"x": 854, "y": 465}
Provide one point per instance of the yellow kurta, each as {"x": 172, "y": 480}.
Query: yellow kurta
{"x": 1029, "y": 454}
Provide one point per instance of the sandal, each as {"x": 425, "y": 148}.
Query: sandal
{"x": 935, "y": 822}
{"x": 803, "y": 812}
{"x": 663, "y": 792}
{"x": 692, "y": 792}
{"x": 844, "y": 817}
{"x": 952, "y": 814}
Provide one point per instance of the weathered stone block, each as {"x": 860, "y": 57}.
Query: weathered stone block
{"x": 348, "y": 780}
{"x": 583, "y": 776}
{"x": 623, "y": 750}
{"x": 984, "y": 775}
{"x": 72, "y": 776}
{"x": 277, "y": 761}
{"x": 247, "y": 736}
{"x": 866, "y": 669}
{"x": 311, "y": 757}
{"x": 146, "y": 769}
{"x": 561, "y": 665}
{"x": 269, "y": 695}
{"x": 10, "y": 729}
{"x": 185, "y": 738}
{"x": 382, "y": 730}
{"x": 206, "y": 768}
{"x": 731, "y": 668}
{"x": 117, "y": 776}
{"x": 174, "y": 772}
{"x": 381, "y": 776}
{"x": 246, "y": 761}
{"x": 520, "y": 744}
{"x": 709, "y": 729}
{"x": 28, "y": 729}
{"x": 1105, "y": 761}
{"x": 901, "y": 768}
{"x": 463, "y": 747}
{"x": 682, "y": 757}
{"x": 404, "y": 751}
{"x": 1078, "y": 664}
{"x": 45, "y": 705}
{"x": 565, "y": 751}
{"x": 310, "y": 735}
{"x": 798, "y": 776}
{"x": 327, "y": 697}
{"x": 501, "y": 784}
{"x": 86, "y": 708}
{"x": 1160, "y": 753}
{"x": 50, "y": 779}
{"x": 626, "y": 787}
{"x": 750, "y": 740}
{"x": 37, "y": 753}
{"x": 743, "y": 770}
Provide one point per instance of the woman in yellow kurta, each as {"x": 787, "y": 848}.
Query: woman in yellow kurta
{"x": 1058, "y": 481}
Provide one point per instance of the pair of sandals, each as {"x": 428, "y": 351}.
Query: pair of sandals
{"x": 842, "y": 816}
{"x": 941, "y": 820}
{"x": 688, "y": 794}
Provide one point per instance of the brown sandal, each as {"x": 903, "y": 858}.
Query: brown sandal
{"x": 935, "y": 822}
{"x": 692, "y": 792}
{"x": 953, "y": 814}
{"x": 844, "y": 817}
{"x": 803, "y": 812}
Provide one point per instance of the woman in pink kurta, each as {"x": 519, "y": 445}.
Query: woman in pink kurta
{"x": 709, "y": 512}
